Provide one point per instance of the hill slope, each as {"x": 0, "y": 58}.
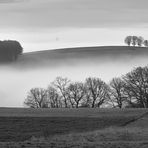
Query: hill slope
{"x": 78, "y": 56}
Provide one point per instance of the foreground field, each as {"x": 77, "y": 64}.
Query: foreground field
{"x": 66, "y": 112}
{"x": 106, "y": 138}
{"x": 72, "y": 128}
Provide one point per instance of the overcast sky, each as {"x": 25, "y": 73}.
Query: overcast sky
{"x": 47, "y": 24}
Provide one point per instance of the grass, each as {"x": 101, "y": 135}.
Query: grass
{"x": 20, "y": 129}
{"x": 112, "y": 134}
{"x": 66, "y": 112}
{"x": 112, "y": 137}
{"x": 59, "y": 128}
{"x": 19, "y": 124}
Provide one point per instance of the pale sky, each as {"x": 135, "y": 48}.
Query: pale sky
{"x": 48, "y": 24}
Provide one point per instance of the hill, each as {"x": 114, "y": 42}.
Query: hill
{"x": 78, "y": 56}
{"x": 38, "y": 69}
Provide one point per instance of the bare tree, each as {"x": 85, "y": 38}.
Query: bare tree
{"x": 62, "y": 84}
{"x": 97, "y": 91}
{"x": 128, "y": 40}
{"x": 117, "y": 94}
{"x": 76, "y": 92}
{"x": 37, "y": 98}
{"x": 87, "y": 100}
{"x": 53, "y": 98}
{"x": 137, "y": 86}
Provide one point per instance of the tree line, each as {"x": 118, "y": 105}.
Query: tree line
{"x": 10, "y": 50}
{"x": 136, "y": 41}
{"x": 130, "y": 90}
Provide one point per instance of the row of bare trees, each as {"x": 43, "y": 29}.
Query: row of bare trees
{"x": 64, "y": 93}
{"x": 131, "y": 90}
{"x": 136, "y": 40}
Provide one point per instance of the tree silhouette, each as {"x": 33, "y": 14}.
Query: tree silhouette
{"x": 128, "y": 40}
{"x": 140, "y": 41}
{"x": 97, "y": 91}
{"x": 134, "y": 40}
{"x": 54, "y": 100}
{"x": 145, "y": 43}
{"x": 62, "y": 84}
{"x": 136, "y": 86}
{"x": 76, "y": 92}
{"x": 10, "y": 50}
{"x": 117, "y": 94}
{"x": 37, "y": 98}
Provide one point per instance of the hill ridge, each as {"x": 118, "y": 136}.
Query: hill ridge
{"x": 85, "y": 48}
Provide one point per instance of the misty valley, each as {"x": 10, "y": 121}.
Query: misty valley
{"x": 38, "y": 69}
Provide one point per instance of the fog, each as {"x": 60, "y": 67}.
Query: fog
{"x": 15, "y": 82}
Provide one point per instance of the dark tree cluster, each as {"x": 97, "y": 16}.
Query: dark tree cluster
{"x": 10, "y": 50}
{"x": 64, "y": 93}
{"x": 136, "y": 41}
{"x": 131, "y": 90}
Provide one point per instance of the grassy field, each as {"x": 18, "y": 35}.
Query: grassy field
{"x": 70, "y": 127}
{"x": 66, "y": 112}
{"x": 105, "y": 138}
